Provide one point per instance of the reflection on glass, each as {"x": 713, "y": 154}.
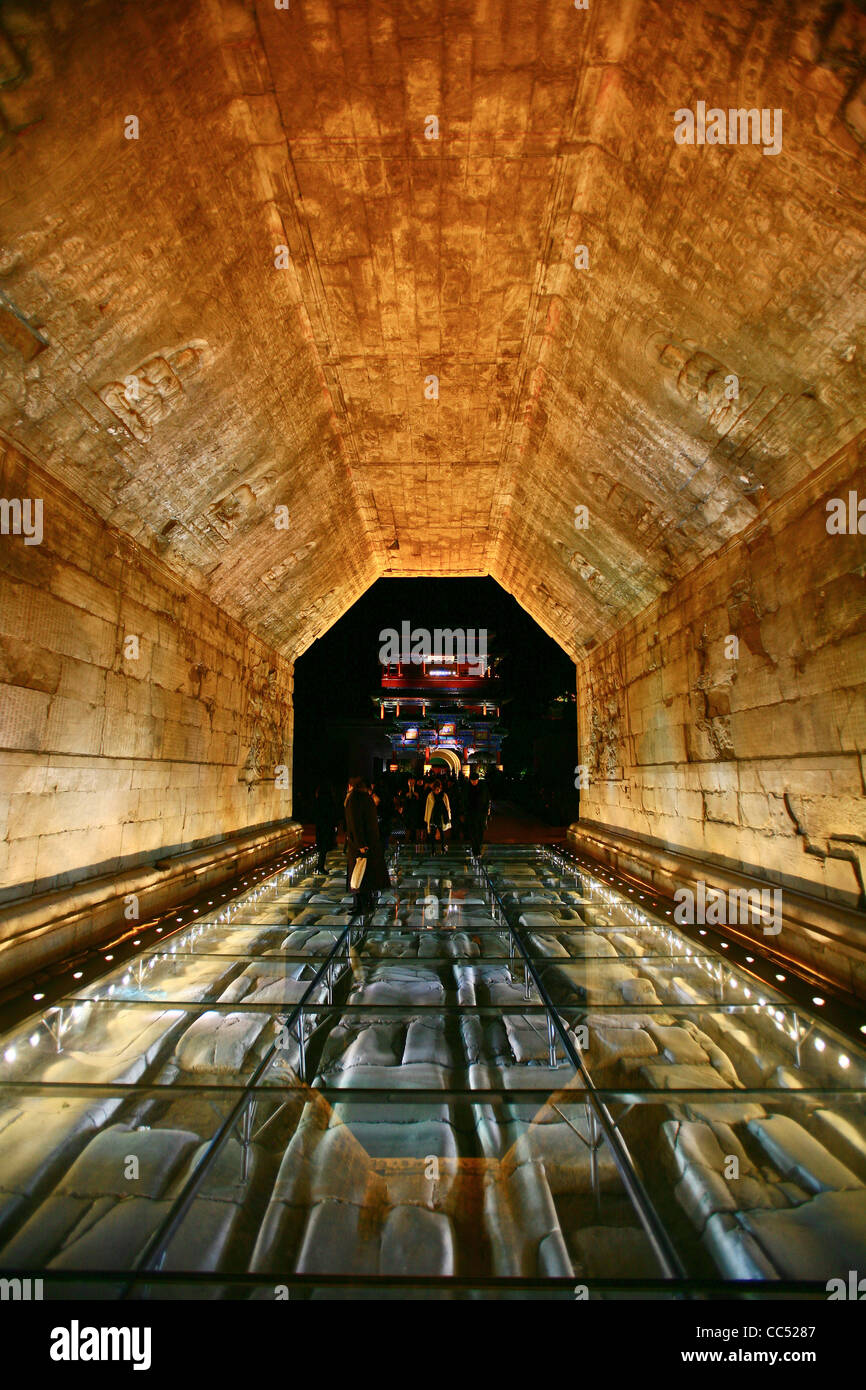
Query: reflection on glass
{"x": 510, "y": 1074}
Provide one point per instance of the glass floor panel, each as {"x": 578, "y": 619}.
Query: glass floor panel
{"x": 508, "y": 1080}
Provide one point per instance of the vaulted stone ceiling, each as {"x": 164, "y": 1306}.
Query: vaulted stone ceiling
{"x": 411, "y": 258}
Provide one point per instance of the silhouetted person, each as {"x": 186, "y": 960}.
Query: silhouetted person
{"x": 326, "y": 825}
{"x": 384, "y": 803}
{"x": 413, "y": 812}
{"x": 458, "y": 806}
{"x": 362, "y": 840}
{"x": 399, "y": 820}
{"x": 477, "y": 810}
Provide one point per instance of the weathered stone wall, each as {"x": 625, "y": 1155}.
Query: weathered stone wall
{"x": 754, "y": 759}
{"x": 105, "y": 757}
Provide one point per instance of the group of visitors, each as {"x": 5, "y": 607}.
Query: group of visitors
{"x": 431, "y": 810}
{"x": 437, "y": 808}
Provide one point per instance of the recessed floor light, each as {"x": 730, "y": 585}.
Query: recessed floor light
{"x": 77, "y": 974}
{"x": 37, "y": 997}
{"x": 816, "y": 999}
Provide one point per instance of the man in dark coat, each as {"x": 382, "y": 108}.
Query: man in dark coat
{"x": 477, "y": 808}
{"x": 384, "y": 803}
{"x": 362, "y": 839}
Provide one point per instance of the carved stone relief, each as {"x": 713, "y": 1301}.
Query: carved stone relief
{"x": 153, "y": 390}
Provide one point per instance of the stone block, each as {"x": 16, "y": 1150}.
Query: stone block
{"x": 33, "y": 816}
{"x": 689, "y": 805}
{"x": 66, "y": 630}
{"x": 90, "y": 850}
{"x": 171, "y": 670}
{"x": 141, "y": 836}
{"x": 82, "y": 590}
{"x": 754, "y": 811}
{"x": 122, "y": 735}
{"x": 79, "y": 680}
{"x": 23, "y": 664}
{"x": 21, "y": 772}
{"x": 74, "y": 727}
{"x": 184, "y": 775}
{"x": 661, "y": 744}
{"x": 23, "y": 717}
{"x": 721, "y": 806}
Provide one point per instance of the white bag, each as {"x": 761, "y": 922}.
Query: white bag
{"x": 358, "y": 873}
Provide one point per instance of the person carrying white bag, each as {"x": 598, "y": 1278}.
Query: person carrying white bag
{"x": 437, "y": 817}
{"x": 367, "y": 873}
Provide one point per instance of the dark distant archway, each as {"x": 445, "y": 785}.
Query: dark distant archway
{"x": 337, "y": 731}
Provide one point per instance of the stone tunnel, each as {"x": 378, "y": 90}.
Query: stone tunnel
{"x": 297, "y": 297}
